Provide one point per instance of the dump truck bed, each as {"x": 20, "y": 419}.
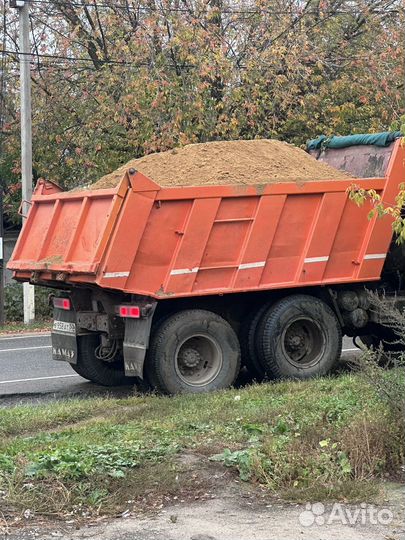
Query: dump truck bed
{"x": 176, "y": 242}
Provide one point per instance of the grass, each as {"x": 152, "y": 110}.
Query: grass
{"x": 326, "y": 438}
{"x": 19, "y": 327}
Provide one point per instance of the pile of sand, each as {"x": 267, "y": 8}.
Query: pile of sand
{"x": 227, "y": 162}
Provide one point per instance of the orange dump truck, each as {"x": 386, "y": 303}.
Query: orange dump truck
{"x": 181, "y": 284}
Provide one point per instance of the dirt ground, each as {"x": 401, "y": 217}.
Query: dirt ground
{"x": 236, "y": 511}
{"x": 204, "y": 500}
{"x": 222, "y": 518}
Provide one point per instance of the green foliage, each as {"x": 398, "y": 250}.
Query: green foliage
{"x": 380, "y": 208}
{"x": 261, "y": 461}
{"x": 198, "y": 74}
{"x": 13, "y": 302}
{"x": 7, "y": 464}
{"x": 242, "y": 460}
{"x": 20, "y": 326}
{"x": 375, "y": 362}
{"x": 294, "y": 438}
{"x": 84, "y": 461}
{"x": 10, "y": 183}
{"x": 398, "y": 124}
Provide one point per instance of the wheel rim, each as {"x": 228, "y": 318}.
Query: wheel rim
{"x": 302, "y": 342}
{"x": 198, "y": 360}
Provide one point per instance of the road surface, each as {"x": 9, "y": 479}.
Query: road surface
{"x": 27, "y": 370}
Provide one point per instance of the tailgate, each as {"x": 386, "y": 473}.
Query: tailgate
{"x": 65, "y": 232}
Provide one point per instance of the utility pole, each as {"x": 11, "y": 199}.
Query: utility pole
{"x": 26, "y": 133}
{"x": 1, "y": 260}
{"x": 2, "y": 114}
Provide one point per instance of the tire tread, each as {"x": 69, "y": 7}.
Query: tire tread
{"x": 167, "y": 328}
{"x": 95, "y": 370}
{"x": 268, "y": 328}
{"x": 248, "y": 343}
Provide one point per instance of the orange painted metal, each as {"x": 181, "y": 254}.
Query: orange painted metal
{"x": 190, "y": 241}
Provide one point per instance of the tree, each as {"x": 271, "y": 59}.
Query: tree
{"x": 150, "y": 75}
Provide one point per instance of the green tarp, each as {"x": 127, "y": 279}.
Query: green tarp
{"x": 377, "y": 139}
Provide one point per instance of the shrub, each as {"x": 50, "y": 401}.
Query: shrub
{"x": 13, "y": 302}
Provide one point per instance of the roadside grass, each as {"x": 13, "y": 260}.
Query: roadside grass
{"x": 330, "y": 438}
{"x": 19, "y": 327}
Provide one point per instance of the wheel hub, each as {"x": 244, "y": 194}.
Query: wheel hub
{"x": 198, "y": 360}
{"x": 295, "y": 342}
{"x": 190, "y": 357}
{"x": 302, "y": 342}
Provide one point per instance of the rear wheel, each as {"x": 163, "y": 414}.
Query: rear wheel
{"x": 193, "y": 351}
{"x": 248, "y": 344}
{"x": 149, "y": 373}
{"x": 299, "y": 337}
{"x": 95, "y": 370}
{"x": 81, "y": 371}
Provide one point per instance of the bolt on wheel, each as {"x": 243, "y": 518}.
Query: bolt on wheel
{"x": 299, "y": 337}
{"x": 302, "y": 342}
{"x": 193, "y": 351}
{"x": 198, "y": 360}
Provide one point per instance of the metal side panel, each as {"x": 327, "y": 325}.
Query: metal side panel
{"x": 221, "y": 240}
{"x": 66, "y": 232}
{"x": 366, "y": 161}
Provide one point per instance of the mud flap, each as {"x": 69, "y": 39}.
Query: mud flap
{"x": 64, "y": 336}
{"x": 136, "y": 343}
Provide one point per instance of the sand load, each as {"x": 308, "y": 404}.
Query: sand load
{"x": 260, "y": 161}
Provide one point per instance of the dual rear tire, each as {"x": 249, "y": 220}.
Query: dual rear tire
{"x": 95, "y": 370}
{"x": 195, "y": 351}
{"x": 298, "y": 337}
{"x": 191, "y": 351}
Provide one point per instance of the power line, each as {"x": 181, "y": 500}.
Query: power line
{"x": 327, "y": 14}
{"x": 151, "y": 65}
{"x": 87, "y": 60}
{"x": 100, "y": 61}
{"x": 227, "y": 11}
{"x": 69, "y": 58}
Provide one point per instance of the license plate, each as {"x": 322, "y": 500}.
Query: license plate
{"x": 64, "y": 327}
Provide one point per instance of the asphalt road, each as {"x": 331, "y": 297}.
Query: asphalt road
{"x": 27, "y": 371}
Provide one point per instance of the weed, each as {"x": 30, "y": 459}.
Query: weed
{"x": 317, "y": 437}
{"x": 82, "y": 462}
{"x": 243, "y": 460}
